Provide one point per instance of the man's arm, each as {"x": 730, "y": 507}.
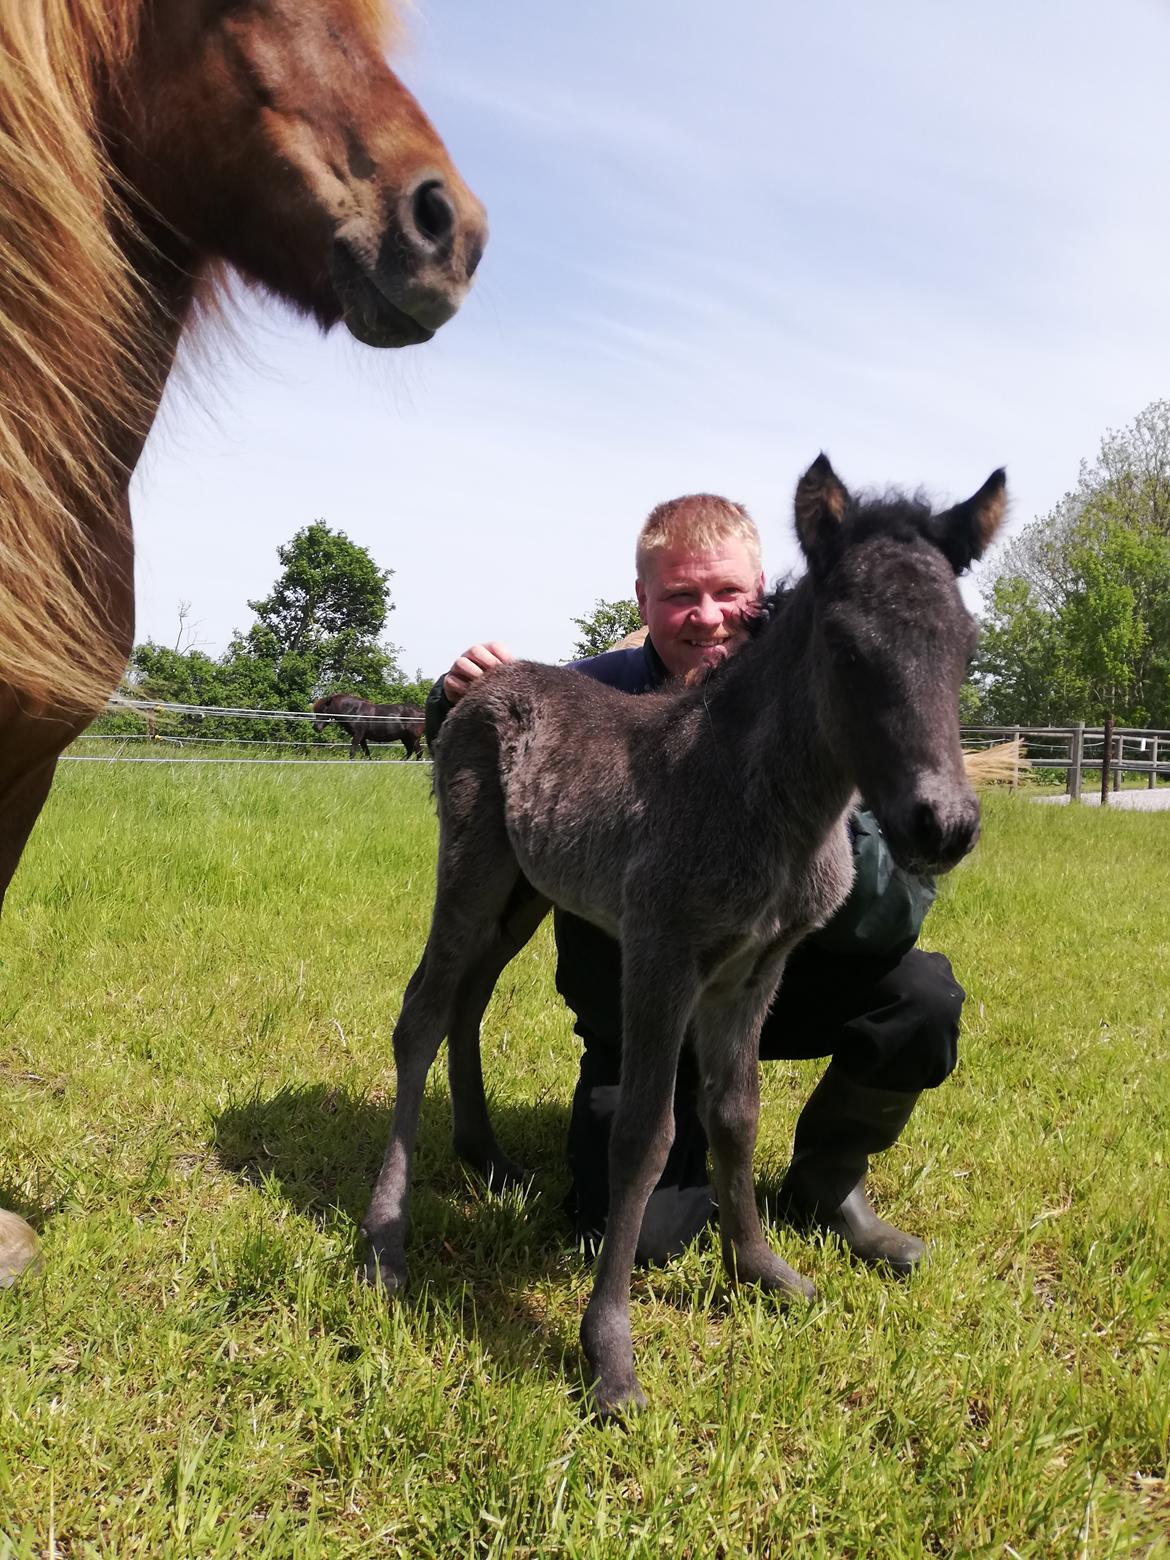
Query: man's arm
{"x": 464, "y": 672}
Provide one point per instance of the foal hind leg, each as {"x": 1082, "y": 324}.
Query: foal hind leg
{"x": 472, "y": 1132}
{"x": 467, "y": 905}
{"x": 727, "y": 1044}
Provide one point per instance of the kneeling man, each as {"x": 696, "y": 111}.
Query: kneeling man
{"x": 884, "y": 1012}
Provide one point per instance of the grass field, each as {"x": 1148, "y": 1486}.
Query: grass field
{"x": 201, "y": 972}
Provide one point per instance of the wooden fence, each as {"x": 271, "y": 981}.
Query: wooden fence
{"x": 1075, "y": 750}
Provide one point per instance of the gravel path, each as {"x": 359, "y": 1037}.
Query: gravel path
{"x": 1136, "y": 801}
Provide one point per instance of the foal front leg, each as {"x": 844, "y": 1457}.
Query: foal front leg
{"x": 727, "y": 1043}
{"x": 655, "y": 1007}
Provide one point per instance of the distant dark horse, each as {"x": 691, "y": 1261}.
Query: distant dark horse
{"x": 384, "y": 722}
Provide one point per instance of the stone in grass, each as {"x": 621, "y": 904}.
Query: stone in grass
{"x": 20, "y": 1250}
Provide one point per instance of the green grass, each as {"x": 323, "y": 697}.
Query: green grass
{"x": 202, "y": 969}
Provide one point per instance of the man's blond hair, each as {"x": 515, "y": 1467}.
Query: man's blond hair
{"x": 701, "y": 522}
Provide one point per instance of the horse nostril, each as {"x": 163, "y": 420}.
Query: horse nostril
{"x": 433, "y": 213}
{"x": 926, "y": 825}
{"x": 474, "y": 255}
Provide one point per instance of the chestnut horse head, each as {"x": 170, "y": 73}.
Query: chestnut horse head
{"x": 142, "y": 142}
{"x": 272, "y": 134}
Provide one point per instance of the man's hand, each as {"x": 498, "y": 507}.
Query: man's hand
{"x": 471, "y": 666}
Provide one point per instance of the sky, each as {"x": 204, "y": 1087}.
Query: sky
{"x": 929, "y": 240}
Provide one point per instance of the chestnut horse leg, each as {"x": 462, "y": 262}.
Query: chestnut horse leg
{"x": 32, "y": 740}
{"x": 33, "y": 745}
{"x": 22, "y": 795}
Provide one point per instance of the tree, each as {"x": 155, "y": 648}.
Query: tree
{"x": 604, "y": 626}
{"x": 318, "y": 630}
{"x": 178, "y": 676}
{"x": 1114, "y": 609}
{"x": 1021, "y": 674}
{"x": 329, "y": 587}
{"x": 1077, "y": 623}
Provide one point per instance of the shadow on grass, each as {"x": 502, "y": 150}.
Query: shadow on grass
{"x": 36, "y": 1213}
{"x": 323, "y": 1147}
{"x": 482, "y": 1255}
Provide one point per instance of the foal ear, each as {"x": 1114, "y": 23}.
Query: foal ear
{"x": 965, "y": 532}
{"x": 821, "y": 500}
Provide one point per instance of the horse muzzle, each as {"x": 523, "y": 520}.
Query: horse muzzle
{"x": 927, "y": 835}
{"x": 397, "y": 287}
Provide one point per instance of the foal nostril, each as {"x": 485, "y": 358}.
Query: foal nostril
{"x": 944, "y": 836}
{"x": 927, "y": 827}
{"x": 967, "y": 831}
{"x": 433, "y": 213}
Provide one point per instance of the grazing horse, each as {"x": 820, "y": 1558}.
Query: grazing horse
{"x": 144, "y": 148}
{"x": 705, "y": 828}
{"x": 363, "y": 720}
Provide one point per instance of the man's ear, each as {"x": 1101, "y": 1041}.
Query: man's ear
{"x": 821, "y": 501}
{"x": 640, "y": 593}
{"x": 965, "y": 532}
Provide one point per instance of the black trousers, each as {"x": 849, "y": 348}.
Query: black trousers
{"x": 890, "y": 1023}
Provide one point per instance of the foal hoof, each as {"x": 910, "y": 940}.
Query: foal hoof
{"x": 505, "y": 1175}
{"x": 616, "y": 1400}
{"x": 20, "y": 1250}
{"x": 791, "y": 1285}
{"x": 771, "y": 1273}
{"x": 382, "y": 1274}
{"x": 499, "y": 1173}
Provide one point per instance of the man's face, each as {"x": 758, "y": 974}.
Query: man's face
{"x": 693, "y": 603}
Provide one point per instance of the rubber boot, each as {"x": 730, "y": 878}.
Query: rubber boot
{"x": 842, "y": 1124}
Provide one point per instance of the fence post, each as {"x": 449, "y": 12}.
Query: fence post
{"x": 1106, "y": 758}
{"x": 1015, "y": 779}
{"x": 1154, "y": 765}
{"x": 1076, "y": 757}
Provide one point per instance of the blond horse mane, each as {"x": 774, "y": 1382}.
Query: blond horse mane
{"x": 73, "y": 330}
{"x": 66, "y": 342}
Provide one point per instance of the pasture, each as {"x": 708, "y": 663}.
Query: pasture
{"x": 202, "y": 968}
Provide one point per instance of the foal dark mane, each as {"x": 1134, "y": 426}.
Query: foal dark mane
{"x": 730, "y": 690}
{"x": 903, "y": 517}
